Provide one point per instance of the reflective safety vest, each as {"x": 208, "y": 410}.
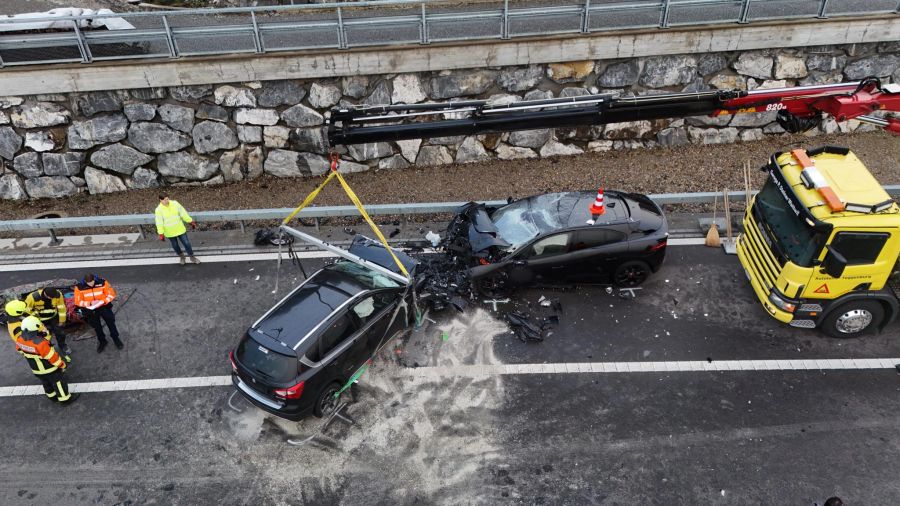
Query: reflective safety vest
{"x": 102, "y": 291}
{"x": 47, "y": 304}
{"x": 170, "y": 219}
{"x": 36, "y": 348}
{"x": 14, "y": 327}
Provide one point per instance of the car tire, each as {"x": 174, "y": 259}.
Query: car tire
{"x": 853, "y": 319}
{"x": 325, "y": 401}
{"x": 494, "y": 286}
{"x": 631, "y": 274}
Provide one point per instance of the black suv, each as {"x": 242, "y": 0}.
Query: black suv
{"x": 293, "y": 360}
{"x": 546, "y": 239}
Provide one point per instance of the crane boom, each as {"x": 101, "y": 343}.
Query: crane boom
{"x": 799, "y": 109}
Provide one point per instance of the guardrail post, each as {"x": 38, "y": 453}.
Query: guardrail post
{"x": 257, "y": 39}
{"x": 342, "y": 36}
{"x": 504, "y": 27}
{"x": 896, "y": 11}
{"x": 664, "y": 14}
{"x": 745, "y": 12}
{"x": 243, "y": 230}
{"x": 86, "y": 56}
{"x": 170, "y": 39}
{"x": 142, "y": 232}
{"x": 423, "y": 30}
{"x": 586, "y": 17}
{"x": 822, "y": 7}
{"x": 54, "y": 241}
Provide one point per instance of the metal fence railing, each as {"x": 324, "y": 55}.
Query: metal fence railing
{"x": 316, "y": 212}
{"x": 196, "y": 32}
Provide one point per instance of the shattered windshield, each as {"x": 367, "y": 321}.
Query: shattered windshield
{"x": 364, "y": 275}
{"x": 786, "y": 232}
{"x": 524, "y": 220}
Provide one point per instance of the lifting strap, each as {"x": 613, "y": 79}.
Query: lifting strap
{"x": 335, "y": 160}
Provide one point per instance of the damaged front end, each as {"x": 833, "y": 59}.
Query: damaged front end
{"x": 474, "y": 238}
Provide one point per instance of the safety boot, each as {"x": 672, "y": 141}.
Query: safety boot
{"x": 195, "y": 260}
{"x": 181, "y": 258}
{"x": 101, "y": 346}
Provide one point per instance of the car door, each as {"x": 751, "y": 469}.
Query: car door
{"x": 335, "y": 345}
{"x": 546, "y": 260}
{"x": 374, "y": 313}
{"x": 594, "y": 254}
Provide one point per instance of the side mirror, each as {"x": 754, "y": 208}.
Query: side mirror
{"x": 834, "y": 263}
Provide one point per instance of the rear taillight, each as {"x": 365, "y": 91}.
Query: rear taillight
{"x": 658, "y": 246}
{"x": 293, "y": 392}
{"x": 233, "y": 363}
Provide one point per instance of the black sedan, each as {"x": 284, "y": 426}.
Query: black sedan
{"x": 546, "y": 239}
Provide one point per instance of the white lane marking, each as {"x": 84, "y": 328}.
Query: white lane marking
{"x": 473, "y": 371}
{"x": 30, "y": 243}
{"x": 687, "y": 241}
{"x": 118, "y": 386}
{"x": 128, "y": 262}
{"x": 482, "y": 370}
{"x": 243, "y": 257}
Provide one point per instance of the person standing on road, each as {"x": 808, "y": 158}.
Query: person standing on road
{"x": 170, "y": 220}
{"x": 34, "y": 344}
{"x": 95, "y": 295}
{"x": 49, "y": 306}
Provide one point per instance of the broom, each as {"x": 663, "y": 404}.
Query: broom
{"x": 712, "y": 237}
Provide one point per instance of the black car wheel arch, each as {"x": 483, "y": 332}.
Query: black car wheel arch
{"x": 326, "y": 402}
{"x": 630, "y": 274}
{"x": 494, "y": 286}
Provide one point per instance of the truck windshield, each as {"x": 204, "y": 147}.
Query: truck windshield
{"x": 787, "y": 234}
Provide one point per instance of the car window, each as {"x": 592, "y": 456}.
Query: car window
{"x": 271, "y": 364}
{"x": 591, "y": 238}
{"x": 335, "y": 334}
{"x": 371, "y": 306}
{"x": 556, "y": 244}
{"x": 859, "y": 248}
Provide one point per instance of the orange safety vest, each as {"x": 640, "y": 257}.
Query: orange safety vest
{"x": 41, "y": 356}
{"x": 86, "y": 296}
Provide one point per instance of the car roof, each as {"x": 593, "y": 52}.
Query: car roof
{"x": 572, "y": 209}
{"x": 298, "y": 314}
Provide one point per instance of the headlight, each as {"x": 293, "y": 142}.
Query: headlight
{"x": 788, "y": 307}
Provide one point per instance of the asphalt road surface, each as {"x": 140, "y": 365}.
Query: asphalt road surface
{"x": 564, "y": 437}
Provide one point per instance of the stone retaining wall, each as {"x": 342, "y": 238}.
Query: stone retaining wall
{"x": 99, "y": 142}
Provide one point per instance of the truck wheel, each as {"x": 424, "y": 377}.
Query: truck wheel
{"x": 325, "y": 402}
{"x": 631, "y": 274}
{"x": 853, "y": 319}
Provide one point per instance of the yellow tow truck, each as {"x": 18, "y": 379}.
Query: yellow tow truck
{"x": 821, "y": 242}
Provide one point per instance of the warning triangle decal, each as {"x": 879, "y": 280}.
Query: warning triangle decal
{"x": 822, "y": 289}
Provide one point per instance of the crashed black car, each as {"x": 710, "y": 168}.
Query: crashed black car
{"x": 294, "y": 359}
{"x": 546, "y": 239}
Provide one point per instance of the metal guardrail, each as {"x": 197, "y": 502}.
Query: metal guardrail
{"x": 317, "y": 212}
{"x": 198, "y": 32}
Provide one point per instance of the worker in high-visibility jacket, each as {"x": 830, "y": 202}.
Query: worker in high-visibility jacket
{"x": 49, "y": 305}
{"x": 170, "y": 220}
{"x": 94, "y": 295}
{"x": 16, "y": 310}
{"x": 34, "y": 344}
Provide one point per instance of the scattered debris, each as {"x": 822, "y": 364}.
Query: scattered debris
{"x": 349, "y": 231}
{"x": 525, "y": 329}
{"x": 272, "y": 236}
{"x": 495, "y": 302}
{"x": 394, "y": 233}
{"x": 433, "y": 238}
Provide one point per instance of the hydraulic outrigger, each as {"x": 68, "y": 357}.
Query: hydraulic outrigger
{"x": 799, "y": 109}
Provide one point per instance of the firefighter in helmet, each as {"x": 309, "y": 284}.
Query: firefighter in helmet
{"x": 34, "y": 344}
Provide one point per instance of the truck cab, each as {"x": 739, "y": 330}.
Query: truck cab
{"x": 820, "y": 242}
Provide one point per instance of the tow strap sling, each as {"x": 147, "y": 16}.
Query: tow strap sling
{"x": 335, "y": 161}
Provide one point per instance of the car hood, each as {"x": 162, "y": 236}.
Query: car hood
{"x": 375, "y": 252}
{"x": 474, "y": 221}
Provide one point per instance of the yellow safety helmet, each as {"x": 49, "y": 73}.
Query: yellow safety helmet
{"x": 32, "y": 324}
{"x": 16, "y": 307}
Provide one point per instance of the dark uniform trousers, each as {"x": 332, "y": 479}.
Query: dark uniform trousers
{"x": 105, "y": 313}
{"x": 55, "y": 385}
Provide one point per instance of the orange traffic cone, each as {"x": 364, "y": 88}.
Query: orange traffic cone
{"x": 597, "y": 208}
